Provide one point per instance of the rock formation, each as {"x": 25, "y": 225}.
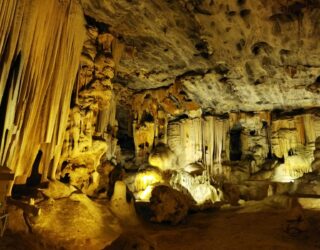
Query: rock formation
{"x": 40, "y": 51}
{"x": 168, "y": 205}
{"x": 92, "y": 127}
{"x": 169, "y": 103}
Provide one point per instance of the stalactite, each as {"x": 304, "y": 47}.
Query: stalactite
{"x": 41, "y": 43}
{"x": 117, "y": 51}
{"x": 215, "y": 143}
{"x": 156, "y": 106}
{"x": 185, "y": 140}
{"x": 199, "y": 140}
{"x": 293, "y": 138}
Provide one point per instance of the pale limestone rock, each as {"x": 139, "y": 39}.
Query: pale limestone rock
{"x": 49, "y": 65}
{"x": 197, "y": 187}
{"x": 143, "y": 140}
{"x": 163, "y": 158}
{"x": 194, "y": 168}
{"x": 151, "y": 109}
{"x": 122, "y": 208}
{"x": 147, "y": 177}
{"x": 293, "y": 138}
{"x": 142, "y": 182}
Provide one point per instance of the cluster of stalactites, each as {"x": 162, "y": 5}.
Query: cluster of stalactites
{"x": 92, "y": 124}
{"x": 215, "y": 143}
{"x": 291, "y": 133}
{"x": 152, "y": 109}
{"x": 200, "y": 140}
{"x": 40, "y": 48}
{"x": 293, "y": 138}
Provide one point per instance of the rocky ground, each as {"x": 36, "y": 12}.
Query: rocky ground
{"x": 253, "y": 225}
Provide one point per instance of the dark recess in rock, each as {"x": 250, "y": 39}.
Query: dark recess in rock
{"x": 259, "y": 46}
{"x": 231, "y": 13}
{"x": 221, "y": 69}
{"x": 245, "y": 12}
{"x": 241, "y": 2}
{"x": 240, "y": 44}
{"x": 102, "y": 27}
{"x": 224, "y": 79}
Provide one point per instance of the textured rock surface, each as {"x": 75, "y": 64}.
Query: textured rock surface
{"x": 168, "y": 205}
{"x": 75, "y": 222}
{"x": 229, "y": 55}
{"x": 92, "y": 125}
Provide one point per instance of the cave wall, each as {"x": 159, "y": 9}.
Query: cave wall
{"x": 59, "y": 105}
{"x": 151, "y": 111}
{"x": 195, "y": 137}
{"x": 293, "y": 139}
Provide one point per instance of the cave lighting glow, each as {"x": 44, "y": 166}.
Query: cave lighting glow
{"x": 144, "y": 184}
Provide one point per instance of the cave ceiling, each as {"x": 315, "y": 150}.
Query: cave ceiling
{"x": 230, "y": 55}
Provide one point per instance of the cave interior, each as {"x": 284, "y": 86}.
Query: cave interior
{"x": 187, "y": 124}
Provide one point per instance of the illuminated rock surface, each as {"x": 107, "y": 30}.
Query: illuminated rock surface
{"x": 117, "y": 112}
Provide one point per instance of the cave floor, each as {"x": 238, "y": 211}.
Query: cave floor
{"x": 253, "y": 226}
{"x": 228, "y": 230}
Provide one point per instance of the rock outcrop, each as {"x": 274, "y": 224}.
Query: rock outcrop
{"x": 168, "y": 205}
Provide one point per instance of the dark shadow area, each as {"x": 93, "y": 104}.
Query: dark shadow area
{"x": 35, "y": 177}
{"x": 235, "y": 143}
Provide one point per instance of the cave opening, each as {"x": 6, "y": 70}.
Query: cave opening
{"x": 124, "y": 133}
{"x": 235, "y": 143}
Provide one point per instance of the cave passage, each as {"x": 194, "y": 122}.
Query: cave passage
{"x": 235, "y": 143}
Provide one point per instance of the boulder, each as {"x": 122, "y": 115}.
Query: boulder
{"x": 168, "y": 205}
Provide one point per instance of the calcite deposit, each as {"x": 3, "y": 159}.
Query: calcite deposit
{"x": 116, "y": 114}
